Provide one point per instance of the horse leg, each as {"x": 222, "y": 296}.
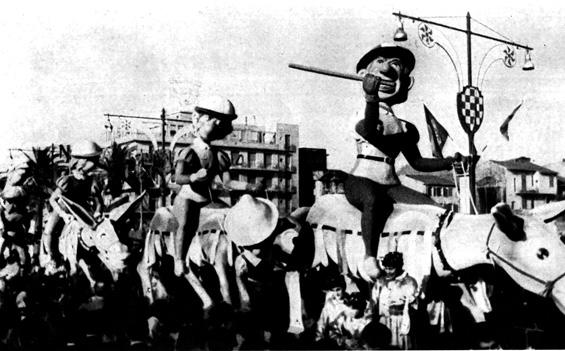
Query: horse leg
{"x": 86, "y": 271}
{"x": 292, "y": 282}
{"x": 200, "y": 291}
{"x": 220, "y": 264}
{"x": 240, "y": 270}
{"x": 143, "y": 268}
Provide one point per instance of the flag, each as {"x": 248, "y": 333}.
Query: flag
{"x": 504, "y": 125}
{"x": 438, "y": 134}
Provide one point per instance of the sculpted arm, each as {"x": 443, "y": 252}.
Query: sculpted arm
{"x": 183, "y": 175}
{"x": 422, "y": 164}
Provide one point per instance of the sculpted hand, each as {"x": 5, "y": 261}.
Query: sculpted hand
{"x": 371, "y": 87}
{"x": 199, "y": 176}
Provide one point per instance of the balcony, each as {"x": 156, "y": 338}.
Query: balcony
{"x": 259, "y": 167}
{"x": 534, "y": 193}
{"x": 238, "y": 144}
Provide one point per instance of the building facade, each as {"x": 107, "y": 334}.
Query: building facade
{"x": 440, "y": 189}
{"x": 519, "y": 182}
{"x": 559, "y": 167}
{"x": 265, "y": 158}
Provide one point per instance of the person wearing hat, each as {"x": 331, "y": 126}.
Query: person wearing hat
{"x": 380, "y": 137}
{"x": 196, "y": 168}
{"x": 14, "y": 222}
{"x": 81, "y": 187}
{"x": 391, "y": 296}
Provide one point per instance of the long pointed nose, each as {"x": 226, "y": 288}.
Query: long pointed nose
{"x": 386, "y": 70}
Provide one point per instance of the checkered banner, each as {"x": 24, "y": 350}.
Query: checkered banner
{"x": 470, "y": 108}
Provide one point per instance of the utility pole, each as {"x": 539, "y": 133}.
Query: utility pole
{"x": 470, "y": 105}
{"x": 163, "y": 137}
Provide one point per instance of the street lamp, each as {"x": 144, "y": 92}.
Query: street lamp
{"x": 400, "y": 34}
{"x": 470, "y": 103}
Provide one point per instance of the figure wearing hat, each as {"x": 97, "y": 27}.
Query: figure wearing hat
{"x": 269, "y": 244}
{"x": 391, "y": 296}
{"x": 79, "y": 186}
{"x": 14, "y": 221}
{"x": 196, "y": 168}
{"x": 380, "y": 138}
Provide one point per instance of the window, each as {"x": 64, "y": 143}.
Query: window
{"x": 524, "y": 204}
{"x": 268, "y": 160}
{"x": 513, "y": 204}
{"x": 286, "y": 141}
{"x": 288, "y": 162}
{"x": 254, "y": 137}
{"x": 252, "y": 159}
{"x": 514, "y": 184}
{"x": 532, "y": 203}
{"x": 551, "y": 181}
{"x": 532, "y": 180}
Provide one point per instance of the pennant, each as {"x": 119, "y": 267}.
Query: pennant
{"x": 504, "y": 125}
{"x": 438, "y": 134}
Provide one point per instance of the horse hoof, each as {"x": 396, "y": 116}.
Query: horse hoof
{"x": 179, "y": 268}
{"x": 369, "y": 270}
{"x": 206, "y": 311}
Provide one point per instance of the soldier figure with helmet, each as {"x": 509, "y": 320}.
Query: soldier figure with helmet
{"x": 196, "y": 168}
{"x": 79, "y": 186}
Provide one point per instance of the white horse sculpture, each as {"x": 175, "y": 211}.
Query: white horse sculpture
{"x": 209, "y": 246}
{"x": 82, "y": 229}
{"x": 526, "y": 244}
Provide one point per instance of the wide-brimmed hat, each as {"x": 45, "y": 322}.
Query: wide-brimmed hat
{"x": 388, "y": 50}
{"x": 251, "y": 220}
{"x": 85, "y": 149}
{"x": 216, "y": 106}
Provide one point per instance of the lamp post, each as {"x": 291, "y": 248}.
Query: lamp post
{"x": 470, "y": 106}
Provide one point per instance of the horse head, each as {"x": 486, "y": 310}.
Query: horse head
{"x": 100, "y": 236}
{"x": 528, "y": 246}
{"x": 104, "y": 240}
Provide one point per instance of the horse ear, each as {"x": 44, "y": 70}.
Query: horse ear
{"x": 120, "y": 213}
{"x": 508, "y": 222}
{"x": 549, "y": 212}
{"x": 300, "y": 214}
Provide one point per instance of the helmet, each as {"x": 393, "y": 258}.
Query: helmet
{"x": 216, "y": 106}
{"x": 85, "y": 149}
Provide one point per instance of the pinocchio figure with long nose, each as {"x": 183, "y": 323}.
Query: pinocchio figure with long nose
{"x": 380, "y": 138}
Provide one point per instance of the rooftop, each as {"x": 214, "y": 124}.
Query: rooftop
{"x": 524, "y": 164}
{"x": 429, "y": 179}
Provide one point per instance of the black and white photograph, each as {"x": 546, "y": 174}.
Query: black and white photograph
{"x": 296, "y": 175}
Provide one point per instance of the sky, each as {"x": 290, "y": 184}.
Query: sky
{"x": 66, "y": 64}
